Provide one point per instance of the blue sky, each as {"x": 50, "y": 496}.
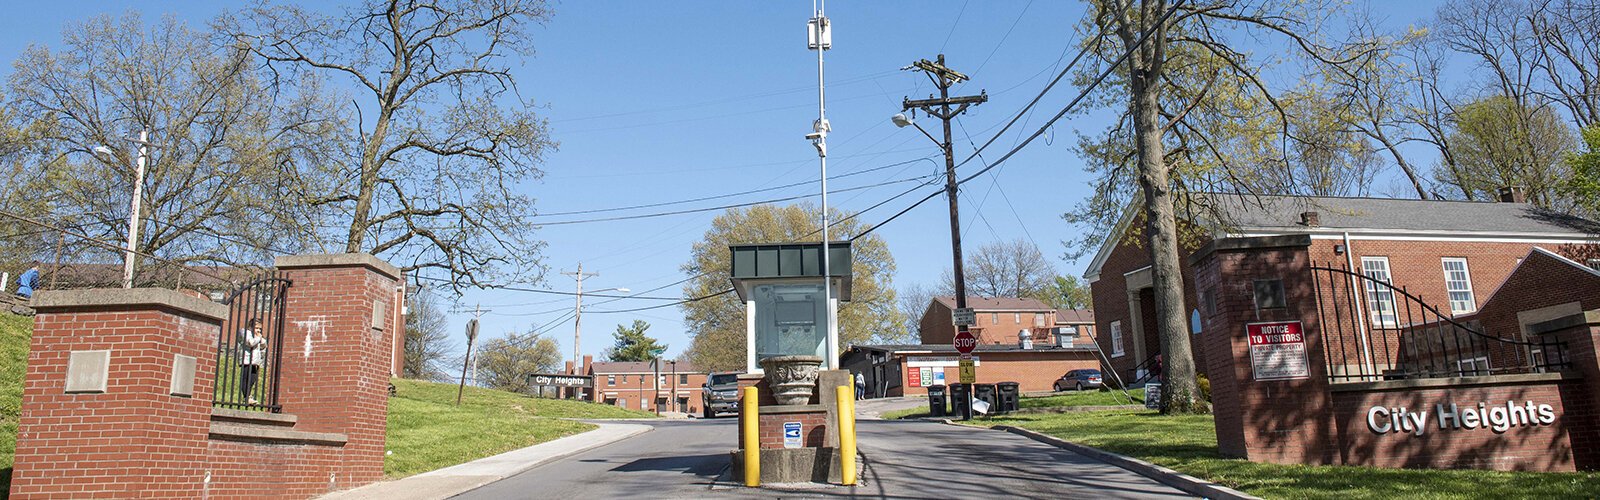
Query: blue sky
{"x": 662, "y": 101}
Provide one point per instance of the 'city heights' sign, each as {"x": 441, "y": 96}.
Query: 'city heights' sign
{"x": 1496, "y": 417}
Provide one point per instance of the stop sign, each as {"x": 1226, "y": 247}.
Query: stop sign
{"x": 965, "y": 342}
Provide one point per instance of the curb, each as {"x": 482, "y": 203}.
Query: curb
{"x": 1189, "y": 484}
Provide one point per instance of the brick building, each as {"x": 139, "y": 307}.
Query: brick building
{"x": 998, "y": 322}
{"x": 908, "y": 370}
{"x": 634, "y": 384}
{"x": 1449, "y": 255}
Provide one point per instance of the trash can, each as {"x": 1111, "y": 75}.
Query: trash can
{"x": 1008, "y": 396}
{"x": 961, "y": 400}
{"x": 986, "y": 393}
{"x": 936, "y": 406}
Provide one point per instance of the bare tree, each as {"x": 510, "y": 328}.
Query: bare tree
{"x": 427, "y": 341}
{"x": 443, "y": 142}
{"x": 1198, "y": 116}
{"x": 506, "y": 362}
{"x": 213, "y": 171}
{"x": 1006, "y": 269}
{"x": 913, "y": 300}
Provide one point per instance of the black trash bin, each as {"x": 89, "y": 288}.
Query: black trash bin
{"x": 961, "y": 400}
{"x": 987, "y": 393}
{"x": 1008, "y": 396}
{"x": 936, "y": 406}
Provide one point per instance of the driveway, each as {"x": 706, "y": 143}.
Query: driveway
{"x": 903, "y": 459}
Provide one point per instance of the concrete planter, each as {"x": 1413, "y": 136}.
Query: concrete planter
{"x": 792, "y": 378}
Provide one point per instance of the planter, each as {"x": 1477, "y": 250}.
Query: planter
{"x": 792, "y": 378}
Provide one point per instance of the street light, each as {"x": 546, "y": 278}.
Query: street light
{"x": 133, "y": 211}
{"x": 900, "y": 120}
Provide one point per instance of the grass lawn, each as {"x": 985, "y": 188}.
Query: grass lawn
{"x": 1085, "y": 398}
{"x": 428, "y": 431}
{"x": 15, "y": 331}
{"x": 1189, "y": 444}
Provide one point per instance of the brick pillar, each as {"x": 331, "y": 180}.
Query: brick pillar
{"x": 123, "y": 427}
{"x": 1279, "y": 421}
{"x": 1580, "y": 400}
{"x": 338, "y": 335}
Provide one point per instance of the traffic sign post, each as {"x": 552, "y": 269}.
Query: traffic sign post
{"x": 964, "y": 316}
{"x": 965, "y": 342}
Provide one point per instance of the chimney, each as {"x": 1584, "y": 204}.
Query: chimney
{"x": 1310, "y": 219}
{"x": 1513, "y": 194}
{"x": 1025, "y": 339}
{"x": 569, "y": 368}
{"x": 588, "y": 361}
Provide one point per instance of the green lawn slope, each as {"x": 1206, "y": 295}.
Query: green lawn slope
{"x": 15, "y": 331}
{"x": 428, "y": 431}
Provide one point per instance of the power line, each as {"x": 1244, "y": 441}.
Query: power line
{"x": 551, "y": 292}
{"x": 724, "y": 207}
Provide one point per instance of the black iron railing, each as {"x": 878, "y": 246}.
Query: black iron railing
{"x": 1373, "y": 330}
{"x": 250, "y": 347}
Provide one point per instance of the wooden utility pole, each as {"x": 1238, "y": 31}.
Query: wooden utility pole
{"x": 577, "y": 326}
{"x": 940, "y": 107}
{"x": 472, "y": 335}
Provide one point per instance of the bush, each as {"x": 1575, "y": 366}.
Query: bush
{"x": 1205, "y": 387}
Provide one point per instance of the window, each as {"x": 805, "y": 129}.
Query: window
{"x": 1380, "y": 298}
{"x": 994, "y": 318}
{"x": 1473, "y": 366}
{"x": 661, "y": 380}
{"x": 683, "y": 379}
{"x": 1594, "y": 264}
{"x": 1038, "y": 320}
{"x": 611, "y": 380}
{"x": 1116, "y": 338}
{"x": 1016, "y": 318}
{"x": 1458, "y": 282}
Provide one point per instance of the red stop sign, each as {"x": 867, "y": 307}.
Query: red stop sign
{"x": 965, "y": 342}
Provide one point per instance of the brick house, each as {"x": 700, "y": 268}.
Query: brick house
{"x": 634, "y": 384}
{"x": 998, "y": 322}
{"x": 1448, "y": 254}
{"x": 1073, "y": 325}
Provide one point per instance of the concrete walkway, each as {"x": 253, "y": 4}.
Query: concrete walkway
{"x": 454, "y": 480}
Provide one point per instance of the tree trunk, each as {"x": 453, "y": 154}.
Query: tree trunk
{"x": 1180, "y": 393}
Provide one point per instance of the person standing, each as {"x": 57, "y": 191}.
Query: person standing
{"x": 861, "y": 386}
{"x": 29, "y": 281}
{"x": 254, "y": 344}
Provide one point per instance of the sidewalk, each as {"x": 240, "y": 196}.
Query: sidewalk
{"x": 458, "y": 479}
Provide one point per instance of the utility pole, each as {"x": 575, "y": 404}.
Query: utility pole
{"x": 577, "y": 323}
{"x": 943, "y": 77}
{"x": 820, "y": 38}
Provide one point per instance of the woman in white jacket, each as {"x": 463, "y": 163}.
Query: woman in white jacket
{"x": 255, "y": 352}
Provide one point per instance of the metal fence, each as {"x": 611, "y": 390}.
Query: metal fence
{"x": 250, "y": 346}
{"x": 1373, "y": 330}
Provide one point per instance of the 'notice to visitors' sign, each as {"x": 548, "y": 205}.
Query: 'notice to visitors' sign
{"x": 1278, "y": 350}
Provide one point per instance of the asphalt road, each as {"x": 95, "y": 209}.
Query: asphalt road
{"x": 903, "y": 459}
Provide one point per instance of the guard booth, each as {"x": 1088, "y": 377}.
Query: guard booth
{"x": 799, "y": 426}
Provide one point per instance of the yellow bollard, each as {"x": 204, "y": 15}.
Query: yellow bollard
{"x": 847, "y": 433}
{"x": 749, "y": 422}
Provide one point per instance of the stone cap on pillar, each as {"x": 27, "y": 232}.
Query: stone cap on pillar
{"x": 47, "y": 301}
{"x": 338, "y": 260}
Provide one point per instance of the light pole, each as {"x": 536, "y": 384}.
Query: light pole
{"x": 820, "y": 38}
{"x": 133, "y": 210}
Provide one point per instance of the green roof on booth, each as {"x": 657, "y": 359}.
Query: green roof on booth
{"x": 764, "y": 261}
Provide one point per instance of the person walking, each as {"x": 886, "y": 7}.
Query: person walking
{"x": 29, "y": 281}
{"x": 254, "y": 343}
{"x": 861, "y": 386}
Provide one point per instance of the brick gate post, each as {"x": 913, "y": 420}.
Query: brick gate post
{"x": 116, "y": 402}
{"x": 337, "y": 349}
{"x": 1279, "y": 421}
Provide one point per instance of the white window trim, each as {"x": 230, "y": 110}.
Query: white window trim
{"x": 1117, "y": 350}
{"x": 1369, "y": 288}
{"x": 1472, "y": 298}
{"x": 1594, "y": 264}
{"x": 1016, "y": 318}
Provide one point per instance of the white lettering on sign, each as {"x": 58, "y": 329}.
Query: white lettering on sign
{"x": 1497, "y": 418}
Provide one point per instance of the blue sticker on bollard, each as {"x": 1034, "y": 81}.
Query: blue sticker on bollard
{"x": 791, "y": 435}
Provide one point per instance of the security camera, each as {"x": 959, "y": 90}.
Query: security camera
{"x": 814, "y": 136}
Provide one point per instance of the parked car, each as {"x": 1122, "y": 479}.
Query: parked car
{"x": 1079, "y": 380}
{"x": 720, "y": 394}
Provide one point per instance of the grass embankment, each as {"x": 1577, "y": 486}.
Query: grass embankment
{"x": 15, "y": 332}
{"x": 1188, "y": 444}
{"x": 428, "y": 431}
